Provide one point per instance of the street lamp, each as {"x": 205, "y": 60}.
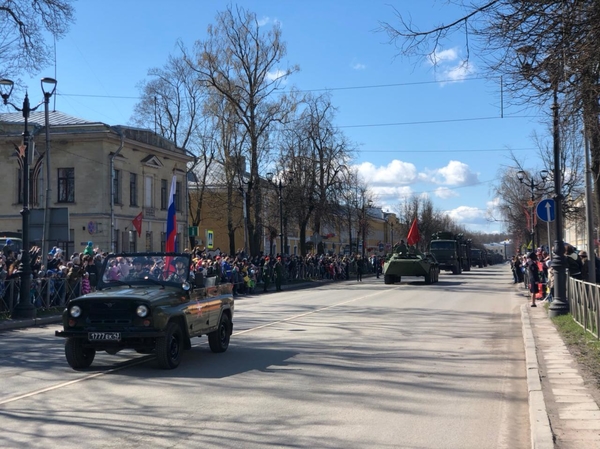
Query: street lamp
{"x": 24, "y": 308}
{"x": 529, "y": 181}
{"x": 533, "y": 71}
{"x": 559, "y": 305}
{"x": 51, "y": 82}
{"x": 364, "y": 226}
{"x": 279, "y": 186}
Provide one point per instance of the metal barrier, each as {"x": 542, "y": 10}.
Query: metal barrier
{"x": 584, "y": 301}
{"x": 45, "y": 293}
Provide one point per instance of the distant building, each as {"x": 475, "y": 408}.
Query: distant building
{"x": 104, "y": 176}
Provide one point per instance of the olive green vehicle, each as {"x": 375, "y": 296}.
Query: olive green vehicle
{"x": 150, "y": 303}
{"x": 410, "y": 262}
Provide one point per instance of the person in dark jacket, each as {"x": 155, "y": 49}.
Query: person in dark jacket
{"x": 534, "y": 276}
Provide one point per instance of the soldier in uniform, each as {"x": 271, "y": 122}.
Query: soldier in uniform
{"x": 180, "y": 271}
{"x": 140, "y": 269}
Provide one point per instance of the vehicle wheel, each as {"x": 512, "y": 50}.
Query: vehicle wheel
{"x": 388, "y": 279}
{"x": 78, "y": 357}
{"x": 397, "y": 279}
{"x": 219, "y": 340}
{"x": 454, "y": 270}
{"x": 428, "y": 277}
{"x": 170, "y": 347}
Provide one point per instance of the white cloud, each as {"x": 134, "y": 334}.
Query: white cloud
{"x": 450, "y": 67}
{"x": 263, "y": 21}
{"x": 359, "y": 66}
{"x": 459, "y": 72}
{"x": 454, "y": 174}
{"x": 445, "y": 193}
{"x": 276, "y": 75}
{"x": 468, "y": 216}
{"x": 395, "y": 173}
{"x": 440, "y": 57}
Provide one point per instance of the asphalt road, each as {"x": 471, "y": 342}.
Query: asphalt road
{"x": 346, "y": 365}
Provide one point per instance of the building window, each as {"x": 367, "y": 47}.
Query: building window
{"x": 149, "y": 241}
{"x": 177, "y": 198}
{"x": 133, "y": 189}
{"x": 163, "y": 194}
{"x": 116, "y": 184}
{"x": 148, "y": 184}
{"x": 66, "y": 185}
{"x": 132, "y": 241}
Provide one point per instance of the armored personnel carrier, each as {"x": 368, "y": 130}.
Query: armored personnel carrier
{"x": 410, "y": 262}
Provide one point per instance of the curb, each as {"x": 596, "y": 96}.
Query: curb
{"x": 541, "y": 433}
{"x": 34, "y": 322}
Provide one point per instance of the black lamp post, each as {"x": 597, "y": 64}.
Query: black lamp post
{"x": 364, "y": 227}
{"x": 559, "y": 305}
{"x": 25, "y": 309}
{"x": 279, "y": 187}
{"x": 531, "y": 70}
{"x": 529, "y": 181}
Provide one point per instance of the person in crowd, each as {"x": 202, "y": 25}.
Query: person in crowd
{"x": 74, "y": 275}
{"x": 359, "y": 269}
{"x": 85, "y": 284}
{"x": 266, "y": 274}
{"x": 574, "y": 263}
{"x": 89, "y": 250}
{"x": 533, "y": 276}
{"x": 7, "y": 247}
{"x": 585, "y": 265}
{"x": 278, "y": 272}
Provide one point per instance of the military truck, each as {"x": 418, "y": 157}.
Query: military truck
{"x": 477, "y": 258}
{"x": 449, "y": 251}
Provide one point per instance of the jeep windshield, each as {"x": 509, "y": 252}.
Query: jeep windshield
{"x": 145, "y": 268}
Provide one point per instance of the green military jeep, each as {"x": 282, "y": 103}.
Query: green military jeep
{"x": 151, "y": 303}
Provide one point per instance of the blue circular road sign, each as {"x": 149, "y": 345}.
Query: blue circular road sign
{"x": 546, "y": 210}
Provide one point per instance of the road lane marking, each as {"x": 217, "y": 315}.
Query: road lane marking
{"x": 149, "y": 358}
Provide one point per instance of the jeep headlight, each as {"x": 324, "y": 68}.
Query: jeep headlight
{"x": 142, "y": 311}
{"x": 75, "y": 311}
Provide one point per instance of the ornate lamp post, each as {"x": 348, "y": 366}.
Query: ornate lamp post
{"x": 25, "y": 309}
{"x": 533, "y": 72}
{"x": 529, "y": 181}
{"x": 559, "y": 305}
{"x": 279, "y": 186}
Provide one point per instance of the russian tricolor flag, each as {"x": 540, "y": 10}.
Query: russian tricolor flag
{"x": 171, "y": 219}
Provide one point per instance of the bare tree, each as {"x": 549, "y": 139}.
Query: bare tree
{"x": 546, "y": 51}
{"x": 240, "y": 61}
{"x": 317, "y": 154}
{"x": 23, "y": 45}
{"x": 171, "y": 104}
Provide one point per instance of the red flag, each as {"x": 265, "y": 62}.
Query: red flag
{"x": 413, "y": 234}
{"x": 137, "y": 223}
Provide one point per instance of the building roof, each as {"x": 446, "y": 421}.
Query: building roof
{"x": 55, "y": 118}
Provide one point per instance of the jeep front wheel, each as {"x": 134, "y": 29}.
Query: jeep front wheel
{"x": 219, "y": 340}
{"x": 78, "y": 357}
{"x": 170, "y": 347}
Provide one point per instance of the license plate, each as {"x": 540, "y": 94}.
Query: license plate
{"x": 105, "y": 336}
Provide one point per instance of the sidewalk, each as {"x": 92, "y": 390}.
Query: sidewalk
{"x": 562, "y": 411}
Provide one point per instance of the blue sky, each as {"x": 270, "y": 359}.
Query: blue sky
{"x": 416, "y": 132}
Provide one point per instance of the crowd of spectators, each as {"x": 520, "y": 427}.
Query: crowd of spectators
{"x": 58, "y": 278}
{"x": 534, "y": 270}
